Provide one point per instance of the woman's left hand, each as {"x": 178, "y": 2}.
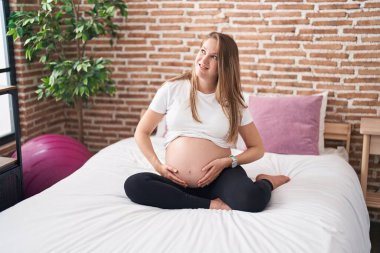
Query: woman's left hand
{"x": 213, "y": 169}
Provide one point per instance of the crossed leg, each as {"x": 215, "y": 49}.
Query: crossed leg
{"x": 239, "y": 192}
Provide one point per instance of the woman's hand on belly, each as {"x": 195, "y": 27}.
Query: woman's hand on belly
{"x": 213, "y": 169}
{"x": 170, "y": 173}
{"x": 189, "y": 155}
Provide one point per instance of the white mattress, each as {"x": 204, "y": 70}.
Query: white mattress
{"x": 320, "y": 210}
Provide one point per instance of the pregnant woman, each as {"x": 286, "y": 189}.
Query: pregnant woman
{"x": 205, "y": 112}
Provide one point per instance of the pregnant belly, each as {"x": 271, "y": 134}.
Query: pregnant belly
{"x": 189, "y": 155}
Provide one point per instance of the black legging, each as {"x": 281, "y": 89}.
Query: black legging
{"x": 233, "y": 186}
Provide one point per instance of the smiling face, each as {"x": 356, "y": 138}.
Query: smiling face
{"x": 206, "y": 62}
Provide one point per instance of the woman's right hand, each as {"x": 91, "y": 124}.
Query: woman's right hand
{"x": 170, "y": 173}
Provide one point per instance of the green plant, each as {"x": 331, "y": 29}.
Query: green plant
{"x": 61, "y": 24}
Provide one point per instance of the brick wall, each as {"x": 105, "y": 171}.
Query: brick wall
{"x": 291, "y": 47}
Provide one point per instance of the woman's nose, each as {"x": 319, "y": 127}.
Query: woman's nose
{"x": 204, "y": 60}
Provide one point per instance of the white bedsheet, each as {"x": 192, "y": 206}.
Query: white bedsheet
{"x": 320, "y": 210}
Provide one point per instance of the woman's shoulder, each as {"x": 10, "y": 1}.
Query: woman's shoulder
{"x": 177, "y": 82}
{"x": 176, "y": 85}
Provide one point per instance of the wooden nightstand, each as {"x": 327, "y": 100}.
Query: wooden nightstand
{"x": 370, "y": 128}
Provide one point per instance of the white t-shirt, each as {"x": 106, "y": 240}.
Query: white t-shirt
{"x": 173, "y": 99}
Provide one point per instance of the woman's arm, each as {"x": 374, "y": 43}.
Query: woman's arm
{"x": 144, "y": 129}
{"x": 255, "y": 148}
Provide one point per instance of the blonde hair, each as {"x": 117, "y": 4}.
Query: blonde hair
{"x": 228, "y": 90}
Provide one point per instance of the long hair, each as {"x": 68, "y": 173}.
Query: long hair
{"x": 228, "y": 90}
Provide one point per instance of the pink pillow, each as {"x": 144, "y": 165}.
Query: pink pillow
{"x": 287, "y": 125}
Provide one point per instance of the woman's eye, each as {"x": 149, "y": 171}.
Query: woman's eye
{"x": 203, "y": 51}
{"x": 215, "y": 57}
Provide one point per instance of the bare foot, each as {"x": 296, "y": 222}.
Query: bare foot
{"x": 219, "y": 204}
{"x": 275, "y": 180}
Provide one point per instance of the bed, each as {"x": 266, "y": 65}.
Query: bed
{"x": 320, "y": 210}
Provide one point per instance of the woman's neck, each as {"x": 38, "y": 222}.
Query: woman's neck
{"x": 206, "y": 86}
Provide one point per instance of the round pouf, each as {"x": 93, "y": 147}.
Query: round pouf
{"x": 49, "y": 158}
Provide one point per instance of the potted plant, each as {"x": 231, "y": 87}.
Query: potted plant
{"x": 56, "y": 25}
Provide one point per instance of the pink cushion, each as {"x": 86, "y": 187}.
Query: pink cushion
{"x": 287, "y": 125}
